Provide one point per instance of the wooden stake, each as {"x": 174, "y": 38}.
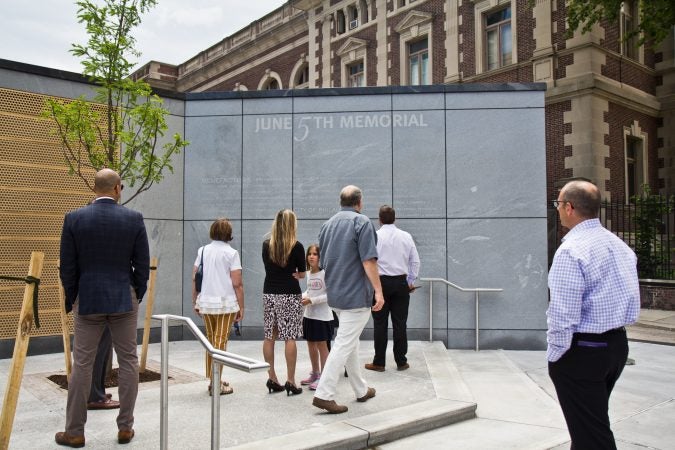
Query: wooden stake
{"x": 65, "y": 331}
{"x": 20, "y": 350}
{"x": 148, "y": 313}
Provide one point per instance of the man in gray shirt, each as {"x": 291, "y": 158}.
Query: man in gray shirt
{"x": 348, "y": 245}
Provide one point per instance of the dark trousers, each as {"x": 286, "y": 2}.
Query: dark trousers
{"x": 584, "y": 378}
{"x": 396, "y": 301}
{"x": 98, "y": 374}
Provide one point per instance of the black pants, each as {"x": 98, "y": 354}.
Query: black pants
{"x": 584, "y": 378}
{"x": 396, "y": 300}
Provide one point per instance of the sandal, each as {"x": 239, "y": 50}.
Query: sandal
{"x": 224, "y": 388}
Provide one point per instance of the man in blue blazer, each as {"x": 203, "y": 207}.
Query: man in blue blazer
{"x": 105, "y": 264}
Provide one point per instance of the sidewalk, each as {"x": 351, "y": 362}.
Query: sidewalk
{"x": 654, "y": 326}
{"x": 508, "y": 391}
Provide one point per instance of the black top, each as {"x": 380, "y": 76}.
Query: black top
{"x": 279, "y": 280}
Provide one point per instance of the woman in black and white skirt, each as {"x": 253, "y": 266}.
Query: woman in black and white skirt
{"x": 284, "y": 259}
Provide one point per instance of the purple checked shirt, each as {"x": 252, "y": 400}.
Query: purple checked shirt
{"x": 594, "y": 286}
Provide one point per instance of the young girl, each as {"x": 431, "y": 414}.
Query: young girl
{"x": 317, "y": 324}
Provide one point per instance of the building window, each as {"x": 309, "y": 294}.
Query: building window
{"x": 271, "y": 84}
{"x": 418, "y": 62}
{"x": 353, "y": 15}
{"x": 498, "y": 39}
{"x": 629, "y": 19}
{"x": 634, "y": 166}
{"x": 364, "y": 11}
{"x": 302, "y": 77}
{"x": 400, "y": 3}
{"x": 340, "y": 15}
{"x": 270, "y": 81}
{"x": 356, "y": 75}
{"x": 415, "y": 46}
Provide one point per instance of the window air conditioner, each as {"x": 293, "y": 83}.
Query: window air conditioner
{"x": 353, "y": 24}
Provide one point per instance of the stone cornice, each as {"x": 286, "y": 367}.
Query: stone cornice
{"x": 601, "y": 86}
{"x": 608, "y": 52}
{"x": 218, "y": 66}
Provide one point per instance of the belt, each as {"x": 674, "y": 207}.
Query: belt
{"x": 395, "y": 277}
{"x": 614, "y": 331}
{"x": 606, "y": 333}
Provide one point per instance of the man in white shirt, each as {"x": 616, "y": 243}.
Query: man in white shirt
{"x": 398, "y": 264}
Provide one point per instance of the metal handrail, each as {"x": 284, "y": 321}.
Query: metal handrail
{"x": 219, "y": 358}
{"x": 459, "y": 288}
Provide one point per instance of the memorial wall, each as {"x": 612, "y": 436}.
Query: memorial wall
{"x": 463, "y": 165}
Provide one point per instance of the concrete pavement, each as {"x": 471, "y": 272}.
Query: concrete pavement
{"x": 431, "y": 405}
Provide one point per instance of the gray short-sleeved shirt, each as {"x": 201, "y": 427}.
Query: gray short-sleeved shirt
{"x": 346, "y": 240}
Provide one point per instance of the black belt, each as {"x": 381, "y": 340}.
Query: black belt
{"x": 597, "y": 335}
{"x": 395, "y": 277}
{"x": 614, "y": 331}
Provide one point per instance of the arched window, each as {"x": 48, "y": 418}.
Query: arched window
{"x": 340, "y": 21}
{"x": 363, "y": 5}
{"x": 270, "y": 81}
{"x": 302, "y": 77}
{"x": 271, "y": 85}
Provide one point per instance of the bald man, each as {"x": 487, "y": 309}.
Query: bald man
{"x": 348, "y": 245}
{"x": 594, "y": 293}
{"x": 105, "y": 265}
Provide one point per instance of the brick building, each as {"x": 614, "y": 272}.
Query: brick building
{"x": 610, "y": 105}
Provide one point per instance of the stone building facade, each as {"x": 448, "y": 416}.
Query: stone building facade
{"x": 610, "y": 104}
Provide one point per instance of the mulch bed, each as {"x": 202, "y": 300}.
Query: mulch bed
{"x": 111, "y": 381}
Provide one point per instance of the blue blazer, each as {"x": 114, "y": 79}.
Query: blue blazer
{"x": 104, "y": 251}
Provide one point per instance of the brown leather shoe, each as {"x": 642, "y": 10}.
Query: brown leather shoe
{"x": 63, "y": 438}
{"x": 125, "y": 436}
{"x": 104, "y": 404}
{"x": 403, "y": 366}
{"x": 374, "y": 367}
{"x": 329, "y": 405}
{"x": 370, "y": 393}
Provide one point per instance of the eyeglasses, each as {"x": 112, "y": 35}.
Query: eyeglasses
{"x": 557, "y": 203}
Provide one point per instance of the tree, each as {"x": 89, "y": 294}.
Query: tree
{"x": 122, "y": 127}
{"x": 657, "y": 17}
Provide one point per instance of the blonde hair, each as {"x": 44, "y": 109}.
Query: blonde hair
{"x": 283, "y": 237}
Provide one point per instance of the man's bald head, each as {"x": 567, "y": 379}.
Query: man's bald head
{"x": 584, "y": 197}
{"x": 350, "y": 196}
{"x": 105, "y": 182}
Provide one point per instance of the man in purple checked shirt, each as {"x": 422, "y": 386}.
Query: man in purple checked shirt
{"x": 594, "y": 293}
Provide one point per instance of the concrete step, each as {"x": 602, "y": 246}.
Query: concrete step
{"x": 453, "y": 403}
{"x": 374, "y": 429}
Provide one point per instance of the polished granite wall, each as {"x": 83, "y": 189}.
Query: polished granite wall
{"x": 464, "y": 166}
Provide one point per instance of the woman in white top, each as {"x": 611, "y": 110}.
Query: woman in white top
{"x": 221, "y": 300}
{"x": 317, "y": 323}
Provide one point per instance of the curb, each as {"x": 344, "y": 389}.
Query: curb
{"x": 654, "y": 326}
{"x": 373, "y": 429}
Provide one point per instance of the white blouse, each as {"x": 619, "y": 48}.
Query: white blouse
{"x": 217, "y": 295}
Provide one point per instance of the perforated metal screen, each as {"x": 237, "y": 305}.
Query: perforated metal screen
{"x": 36, "y": 191}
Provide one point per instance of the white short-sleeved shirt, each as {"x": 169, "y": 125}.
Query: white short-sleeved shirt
{"x": 217, "y": 295}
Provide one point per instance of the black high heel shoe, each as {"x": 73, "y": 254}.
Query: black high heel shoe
{"x": 273, "y": 386}
{"x": 292, "y": 389}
